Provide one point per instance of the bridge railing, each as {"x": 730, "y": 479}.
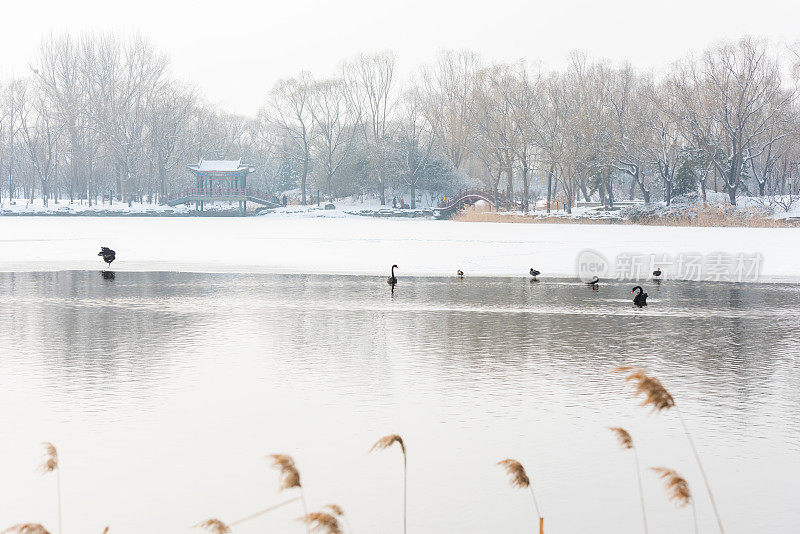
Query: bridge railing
{"x": 221, "y": 192}
{"x": 464, "y": 194}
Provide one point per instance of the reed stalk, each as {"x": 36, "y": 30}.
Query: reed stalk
{"x": 626, "y": 443}
{"x": 388, "y": 441}
{"x": 677, "y": 490}
{"x": 50, "y": 464}
{"x": 289, "y": 478}
{"x": 520, "y": 479}
{"x": 657, "y": 396}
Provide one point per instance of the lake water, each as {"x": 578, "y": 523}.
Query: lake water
{"x": 165, "y": 391}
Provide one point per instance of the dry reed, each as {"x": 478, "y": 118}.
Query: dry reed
{"x": 50, "y": 464}
{"x": 388, "y": 441}
{"x": 623, "y": 438}
{"x": 521, "y": 480}
{"x": 335, "y": 509}
{"x": 321, "y": 522}
{"x": 26, "y": 528}
{"x": 288, "y": 473}
{"x": 697, "y": 216}
{"x": 214, "y": 525}
{"x": 677, "y": 489}
{"x": 625, "y": 442}
{"x": 289, "y": 476}
{"x": 657, "y": 396}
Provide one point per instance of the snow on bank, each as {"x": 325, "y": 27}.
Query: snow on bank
{"x": 364, "y": 245}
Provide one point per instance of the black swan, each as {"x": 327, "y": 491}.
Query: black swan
{"x": 108, "y": 255}
{"x": 640, "y": 299}
{"x": 460, "y": 273}
{"x": 657, "y": 272}
{"x": 534, "y": 273}
{"x": 392, "y": 280}
{"x": 593, "y": 282}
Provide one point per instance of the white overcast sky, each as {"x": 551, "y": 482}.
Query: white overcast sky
{"x": 234, "y": 50}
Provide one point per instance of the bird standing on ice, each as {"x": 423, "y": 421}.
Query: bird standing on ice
{"x": 107, "y": 254}
{"x": 534, "y": 273}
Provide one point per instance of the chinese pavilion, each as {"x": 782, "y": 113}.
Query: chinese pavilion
{"x": 221, "y": 180}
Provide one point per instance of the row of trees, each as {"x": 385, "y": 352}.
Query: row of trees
{"x": 100, "y": 115}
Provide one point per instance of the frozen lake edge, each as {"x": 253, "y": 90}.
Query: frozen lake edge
{"x": 368, "y": 246}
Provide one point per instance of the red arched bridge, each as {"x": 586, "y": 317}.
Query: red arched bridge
{"x": 200, "y": 196}
{"x": 464, "y": 198}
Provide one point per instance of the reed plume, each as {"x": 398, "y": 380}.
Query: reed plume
{"x": 214, "y": 525}
{"x": 321, "y": 522}
{"x": 289, "y": 477}
{"x": 657, "y": 396}
{"x": 677, "y": 489}
{"x": 521, "y": 480}
{"x": 388, "y": 441}
{"x": 26, "y": 528}
{"x": 625, "y": 442}
{"x": 49, "y": 465}
{"x": 337, "y": 510}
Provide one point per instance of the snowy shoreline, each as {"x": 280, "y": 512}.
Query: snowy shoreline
{"x": 368, "y": 246}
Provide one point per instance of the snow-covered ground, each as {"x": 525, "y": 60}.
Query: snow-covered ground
{"x": 340, "y": 243}
{"x": 23, "y": 206}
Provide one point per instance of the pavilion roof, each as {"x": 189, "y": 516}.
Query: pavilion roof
{"x": 219, "y": 165}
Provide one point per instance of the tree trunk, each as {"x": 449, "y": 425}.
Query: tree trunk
{"x": 525, "y": 187}
{"x": 550, "y": 186}
{"x": 303, "y": 179}
{"x": 668, "y": 192}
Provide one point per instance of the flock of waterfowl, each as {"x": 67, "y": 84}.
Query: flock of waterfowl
{"x": 639, "y": 299}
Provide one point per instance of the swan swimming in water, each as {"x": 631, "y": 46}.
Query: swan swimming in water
{"x": 392, "y": 280}
{"x": 640, "y": 299}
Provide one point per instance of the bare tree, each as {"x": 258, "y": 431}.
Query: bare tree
{"x": 370, "y": 80}
{"x": 335, "y": 127}
{"x": 744, "y": 98}
{"x": 40, "y": 133}
{"x": 290, "y": 111}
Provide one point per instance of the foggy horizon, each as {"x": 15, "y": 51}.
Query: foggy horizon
{"x": 235, "y": 58}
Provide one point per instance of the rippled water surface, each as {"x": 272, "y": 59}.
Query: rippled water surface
{"x": 165, "y": 391}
